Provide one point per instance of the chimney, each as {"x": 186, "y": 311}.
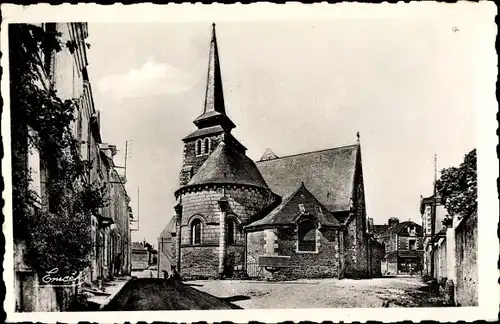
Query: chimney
{"x": 370, "y": 224}
{"x": 393, "y": 221}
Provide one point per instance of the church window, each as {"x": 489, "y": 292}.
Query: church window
{"x": 307, "y": 236}
{"x": 207, "y": 146}
{"x": 196, "y": 227}
{"x": 231, "y": 233}
{"x": 198, "y": 147}
{"x": 302, "y": 208}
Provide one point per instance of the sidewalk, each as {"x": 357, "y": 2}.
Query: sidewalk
{"x": 110, "y": 289}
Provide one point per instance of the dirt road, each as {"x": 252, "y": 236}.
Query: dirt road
{"x": 323, "y": 293}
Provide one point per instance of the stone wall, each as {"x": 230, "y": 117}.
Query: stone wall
{"x": 282, "y": 241}
{"x": 199, "y": 262}
{"x": 440, "y": 264}
{"x": 389, "y": 264}
{"x": 191, "y": 159}
{"x": 202, "y": 204}
{"x": 356, "y": 254}
{"x": 191, "y": 162}
{"x": 377, "y": 253}
{"x": 466, "y": 262}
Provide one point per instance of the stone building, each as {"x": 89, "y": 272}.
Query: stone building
{"x": 228, "y": 206}
{"x": 302, "y": 230}
{"x": 66, "y": 73}
{"x": 403, "y": 248}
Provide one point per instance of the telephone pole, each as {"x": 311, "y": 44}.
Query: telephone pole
{"x": 137, "y": 221}
{"x": 127, "y": 145}
{"x": 433, "y": 214}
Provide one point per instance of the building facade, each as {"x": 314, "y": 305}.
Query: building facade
{"x": 433, "y": 213}
{"x": 403, "y": 248}
{"x": 65, "y": 72}
{"x": 226, "y": 204}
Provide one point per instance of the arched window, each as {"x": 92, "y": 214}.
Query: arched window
{"x": 198, "y": 147}
{"x": 231, "y": 231}
{"x": 207, "y": 145}
{"x": 307, "y": 236}
{"x": 196, "y": 228}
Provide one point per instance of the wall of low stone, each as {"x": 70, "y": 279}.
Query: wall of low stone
{"x": 466, "y": 262}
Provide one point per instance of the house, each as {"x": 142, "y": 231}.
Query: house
{"x": 304, "y": 212}
{"x": 403, "y": 248}
{"x": 166, "y": 248}
{"x": 65, "y": 72}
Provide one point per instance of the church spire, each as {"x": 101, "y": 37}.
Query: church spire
{"x": 214, "y": 110}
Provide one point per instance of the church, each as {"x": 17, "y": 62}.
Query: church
{"x": 298, "y": 216}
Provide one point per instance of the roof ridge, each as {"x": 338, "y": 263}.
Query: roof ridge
{"x": 304, "y": 153}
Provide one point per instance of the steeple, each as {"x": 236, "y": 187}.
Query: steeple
{"x": 214, "y": 111}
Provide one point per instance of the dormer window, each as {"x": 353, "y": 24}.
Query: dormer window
{"x": 206, "y": 146}
{"x": 302, "y": 209}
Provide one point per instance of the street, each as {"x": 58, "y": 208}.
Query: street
{"x": 323, "y": 293}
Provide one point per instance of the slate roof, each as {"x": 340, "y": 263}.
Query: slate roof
{"x": 328, "y": 174}
{"x": 379, "y": 229}
{"x": 226, "y": 165}
{"x": 401, "y": 226}
{"x": 166, "y": 234}
{"x": 205, "y": 131}
{"x": 288, "y": 211}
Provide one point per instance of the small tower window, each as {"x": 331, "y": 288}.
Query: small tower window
{"x": 302, "y": 209}
{"x": 196, "y": 232}
{"x": 198, "y": 147}
{"x": 207, "y": 145}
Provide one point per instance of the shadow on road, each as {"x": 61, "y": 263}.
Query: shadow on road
{"x": 236, "y": 298}
{"x": 193, "y": 285}
{"x": 166, "y": 294}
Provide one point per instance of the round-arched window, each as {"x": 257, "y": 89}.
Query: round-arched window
{"x": 207, "y": 145}
{"x": 307, "y": 236}
{"x": 198, "y": 147}
{"x": 196, "y": 228}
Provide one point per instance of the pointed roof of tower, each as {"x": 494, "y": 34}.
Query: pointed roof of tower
{"x": 214, "y": 110}
{"x": 268, "y": 155}
{"x": 226, "y": 165}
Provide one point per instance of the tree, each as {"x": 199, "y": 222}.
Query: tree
{"x": 457, "y": 186}
{"x": 58, "y": 234}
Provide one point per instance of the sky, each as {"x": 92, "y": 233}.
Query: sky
{"x": 407, "y": 85}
